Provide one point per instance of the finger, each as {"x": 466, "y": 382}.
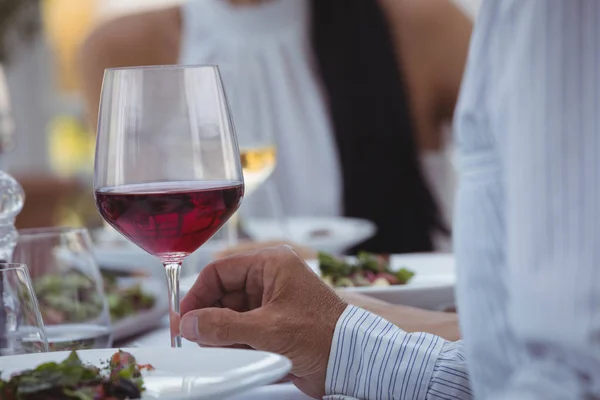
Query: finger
{"x": 224, "y": 327}
{"x": 174, "y": 323}
{"x": 242, "y": 272}
{"x": 209, "y": 288}
{"x": 286, "y": 379}
{"x": 236, "y": 301}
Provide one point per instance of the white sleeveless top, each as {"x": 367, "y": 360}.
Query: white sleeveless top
{"x": 285, "y": 90}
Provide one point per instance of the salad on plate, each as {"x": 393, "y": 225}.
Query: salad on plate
{"x": 119, "y": 378}
{"x": 55, "y": 293}
{"x": 366, "y": 269}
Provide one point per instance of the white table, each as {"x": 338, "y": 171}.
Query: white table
{"x": 285, "y": 391}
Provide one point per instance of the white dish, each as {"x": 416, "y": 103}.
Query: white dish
{"x": 130, "y": 258}
{"x": 431, "y": 288}
{"x": 338, "y": 233}
{"x": 144, "y": 321}
{"x": 181, "y": 374}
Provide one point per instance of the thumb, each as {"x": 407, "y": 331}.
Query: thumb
{"x": 223, "y": 327}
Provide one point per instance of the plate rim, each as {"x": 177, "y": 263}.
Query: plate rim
{"x": 263, "y": 377}
{"x": 407, "y": 287}
{"x": 374, "y": 289}
{"x": 370, "y": 229}
{"x": 121, "y": 328}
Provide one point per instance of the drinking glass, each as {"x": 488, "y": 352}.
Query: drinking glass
{"x": 68, "y": 285}
{"x": 168, "y": 172}
{"x": 251, "y": 111}
{"x": 21, "y": 327}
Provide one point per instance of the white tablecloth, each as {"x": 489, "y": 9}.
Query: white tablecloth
{"x": 160, "y": 337}
{"x": 285, "y": 391}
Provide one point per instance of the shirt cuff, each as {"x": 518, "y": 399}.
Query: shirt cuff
{"x": 371, "y": 358}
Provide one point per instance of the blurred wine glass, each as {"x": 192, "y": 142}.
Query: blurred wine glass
{"x": 167, "y": 170}
{"x": 253, "y": 119}
{"x": 69, "y": 287}
{"x": 6, "y": 118}
{"x": 21, "y": 327}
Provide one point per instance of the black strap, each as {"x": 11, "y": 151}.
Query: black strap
{"x": 369, "y": 106}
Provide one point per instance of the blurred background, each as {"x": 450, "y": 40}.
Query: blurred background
{"x": 53, "y": 157}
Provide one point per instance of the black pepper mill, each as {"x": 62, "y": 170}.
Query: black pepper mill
{"x": 12, "y": 198}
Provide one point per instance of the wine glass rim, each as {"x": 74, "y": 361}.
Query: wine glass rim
{"x": 164, "y": 66}
{"x": 49, "y": 231}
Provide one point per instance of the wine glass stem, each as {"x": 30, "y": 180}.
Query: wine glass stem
{"x": 232, "y": 230}
{"x": 173, "y": 270}
{"x": 277, "y": 207}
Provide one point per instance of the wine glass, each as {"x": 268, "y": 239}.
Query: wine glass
{"x": 168, "y": 172}
{"x": 68, "y": 285}
{"x": 250, "y": 109}
{"x": 21, "y": 327}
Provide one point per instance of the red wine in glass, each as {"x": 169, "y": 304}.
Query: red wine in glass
{"x": 170, "y": 220}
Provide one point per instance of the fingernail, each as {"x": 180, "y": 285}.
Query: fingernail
{"x": 189, "y": 328}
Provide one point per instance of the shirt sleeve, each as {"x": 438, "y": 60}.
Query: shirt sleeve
{"x": 373, "y": 359}
{"x": 547, "y": 115}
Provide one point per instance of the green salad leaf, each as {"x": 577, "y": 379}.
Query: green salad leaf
{"x": 366, "y": 269}
{"x": 56, "y": 294}
{"x": 72, "y": 379}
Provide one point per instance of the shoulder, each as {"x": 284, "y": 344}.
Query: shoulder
{"x": 433, "y": 22}
{"x": 134, "y": 39}
{"x": 433, "y": 40}
{"x": 150, "y": 38}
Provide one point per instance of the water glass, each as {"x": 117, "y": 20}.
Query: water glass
{"x": 68, "y": 285}
{"x": 21, "y": 326}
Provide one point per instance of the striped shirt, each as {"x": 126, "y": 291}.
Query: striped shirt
{"x": 527, "y": 225}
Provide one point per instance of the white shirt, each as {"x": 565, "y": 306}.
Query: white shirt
{"x": 284, "y": 98}
{"x": 281, "y": 97}
{"x": 527, "y": 226}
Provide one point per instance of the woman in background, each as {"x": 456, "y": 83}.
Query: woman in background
{"x": 358, "y": 94}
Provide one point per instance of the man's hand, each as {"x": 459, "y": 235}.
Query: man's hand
{"x": 267, "y": 300}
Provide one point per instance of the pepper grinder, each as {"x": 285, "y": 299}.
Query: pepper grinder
{"x": 12, "y": 195}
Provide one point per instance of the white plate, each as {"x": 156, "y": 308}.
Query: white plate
{"x": 181, "y": 374}
{"x": 431, "y": 288}
{"x": 145, "y": 320}
{"x": 130, "y": 258}
{"x": 342, "y": 233}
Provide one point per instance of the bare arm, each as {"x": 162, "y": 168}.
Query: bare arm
{"x": 127, "y": 41}
{"x": 409, "y": 319}
{"x": 432, "y": 40}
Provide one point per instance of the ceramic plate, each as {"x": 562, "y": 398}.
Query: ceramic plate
{"x": 181, "y": 374}
{"x": 144, "y": 321}
{"x": 432, "y": 287}
{"x": 332, "y": 234}
{"x": 130, "y": 258}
